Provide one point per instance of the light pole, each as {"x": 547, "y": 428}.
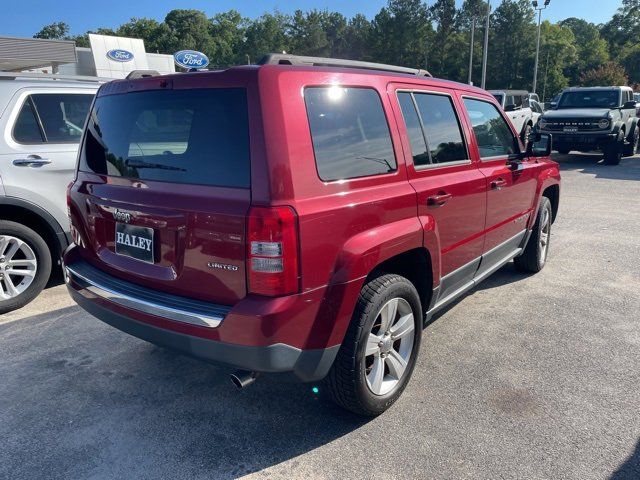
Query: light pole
{"x": 486, "y": 46}
{"x": 535, "y": 68}
{"x": 473, "y": 29}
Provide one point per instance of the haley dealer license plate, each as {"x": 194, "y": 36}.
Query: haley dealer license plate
{"x": 135, "y": 242}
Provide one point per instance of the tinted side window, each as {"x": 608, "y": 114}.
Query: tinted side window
{"x": 349, "y": 132}
{"x": 493, "y": 135}
{"x": 26, "y": 129}
{"x": 414, "y": 129}
{"x": 62, "y": 115}
{"x": 514, "y": 100}
{"x": 441, "y": 126}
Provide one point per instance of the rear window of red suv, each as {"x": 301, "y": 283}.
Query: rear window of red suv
{"x": 198, "y": 136}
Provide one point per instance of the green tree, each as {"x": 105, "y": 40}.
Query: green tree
{"x": 228, "y": 33}
{"x": 266, "y": 34}
{"x": 624, "y": 27}
{"x": 402, "y": 34}
{"x": 318, "y": 33}
{"x": 557, "y": 53}
{"x": 54, "y": 31}
{"x": 154, "y": 34}
{"x": 591, "y": 48}
{"x": 611, "y": 73}
{"x": 356, "y": 37}
{"x": 630, "y": 59}
{"x": 512, "y": 45}
{"x": 446, "y": 48}
{"x": 188, "y": 29}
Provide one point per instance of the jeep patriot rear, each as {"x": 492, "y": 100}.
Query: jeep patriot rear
{"x": 305, "y": 219}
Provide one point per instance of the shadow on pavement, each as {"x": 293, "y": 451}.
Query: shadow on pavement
{"x": 504, "y": 276}
{"x": 80, "y": 399}
{"x": 591, "y": 163}
{"x": 630, "y": 469}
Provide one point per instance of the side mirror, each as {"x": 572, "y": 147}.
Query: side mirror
{"x": 631, "y": 105}
{"x": 509, "y": 108}
{"x": 539, "y": 145}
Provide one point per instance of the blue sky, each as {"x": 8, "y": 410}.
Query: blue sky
{"x": 25, "y": 17}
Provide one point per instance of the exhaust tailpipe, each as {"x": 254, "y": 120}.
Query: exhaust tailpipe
{"x": 243, "y": 378}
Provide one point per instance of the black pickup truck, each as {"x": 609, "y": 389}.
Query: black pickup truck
{"x": 594, "y": 118}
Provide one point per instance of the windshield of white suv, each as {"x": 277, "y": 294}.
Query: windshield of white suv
{"x": 590, "y": 99}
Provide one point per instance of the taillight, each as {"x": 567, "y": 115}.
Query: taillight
{"x": 272, "y": 251}
{"x": 75, "y": 234}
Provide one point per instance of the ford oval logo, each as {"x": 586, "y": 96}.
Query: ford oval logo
{"x": 120, "y": 55}
{"x": 191, "y": 59}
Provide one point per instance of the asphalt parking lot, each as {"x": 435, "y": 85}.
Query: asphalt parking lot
{"x": 531, "y": 377}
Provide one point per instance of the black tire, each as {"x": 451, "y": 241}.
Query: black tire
{"x": 346, "y": 382}
{"x": 613, "y": 151}
{"x": 632, "y": 147}
{"x": 534, "y": 257}
{"x": 563, "y": 151}
{"x": 43, "y": 271}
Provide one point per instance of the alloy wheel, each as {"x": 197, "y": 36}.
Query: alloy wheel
{"x": 545, "y": 230}
{"x": 18, "y": 266}
{"x": 389, "y": 346}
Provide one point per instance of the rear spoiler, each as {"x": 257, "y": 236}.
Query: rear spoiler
{"x": 142, "y": 74}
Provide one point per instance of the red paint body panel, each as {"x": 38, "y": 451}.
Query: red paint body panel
{"x": 346, "y": 228}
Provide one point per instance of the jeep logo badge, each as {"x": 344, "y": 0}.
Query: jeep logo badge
{"x": 121, "y": 216}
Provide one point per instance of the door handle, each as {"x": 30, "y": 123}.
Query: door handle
{"x": 31, "y": 161}
{"x": 498, "y": 183}
{"x": 439, "y": 199}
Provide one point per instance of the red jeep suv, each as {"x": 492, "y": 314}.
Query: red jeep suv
{"x": 302, "y": 215}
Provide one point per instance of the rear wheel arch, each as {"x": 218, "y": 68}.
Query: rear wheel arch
{"x": 416, "y": 266}
{"x": 552, "y": 192}
{"x": 52, "y": 234}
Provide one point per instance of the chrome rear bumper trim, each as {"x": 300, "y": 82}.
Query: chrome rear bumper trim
{"x": 121, "y": 298}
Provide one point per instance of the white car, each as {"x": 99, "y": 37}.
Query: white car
{"x": 537, "y": 110}
{"x": 41, "y": 122}
{"x": 517, "y": 106}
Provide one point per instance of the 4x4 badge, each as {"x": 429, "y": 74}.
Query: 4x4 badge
{"x": 121, "y": 216}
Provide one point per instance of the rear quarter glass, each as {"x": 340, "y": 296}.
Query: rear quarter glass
{"x": 198, "y": 136}
{"x": 349, "y": 132}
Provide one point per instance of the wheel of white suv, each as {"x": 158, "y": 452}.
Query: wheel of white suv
{"x": 25, "y": 265}
{"x": 526, "y": 133}
{"x": 534, "y": 257}
{"x": 613, "y": 151}
{"x": 632, "y": 147}
{"x": 379, "y": 351}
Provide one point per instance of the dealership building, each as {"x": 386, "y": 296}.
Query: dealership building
{"x": 108, "y": 57}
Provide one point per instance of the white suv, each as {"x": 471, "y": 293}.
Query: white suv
{"x": 41, "y": 122}
{"x": 515, "y": 104}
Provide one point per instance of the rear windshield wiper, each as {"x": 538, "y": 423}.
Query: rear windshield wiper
{"x": 142, "y": 164}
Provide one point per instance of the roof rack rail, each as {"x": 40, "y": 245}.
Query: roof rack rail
{"x": 142, "y": 74}
{"x": 287, "y": 59}
{"x": 52, "y": 76}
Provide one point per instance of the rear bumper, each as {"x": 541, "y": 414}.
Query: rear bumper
{"x": 170, "y": 322}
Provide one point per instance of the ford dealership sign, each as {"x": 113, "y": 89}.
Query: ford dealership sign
{"x": 190, "y": 59}
{"x": 120, "y": 55}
